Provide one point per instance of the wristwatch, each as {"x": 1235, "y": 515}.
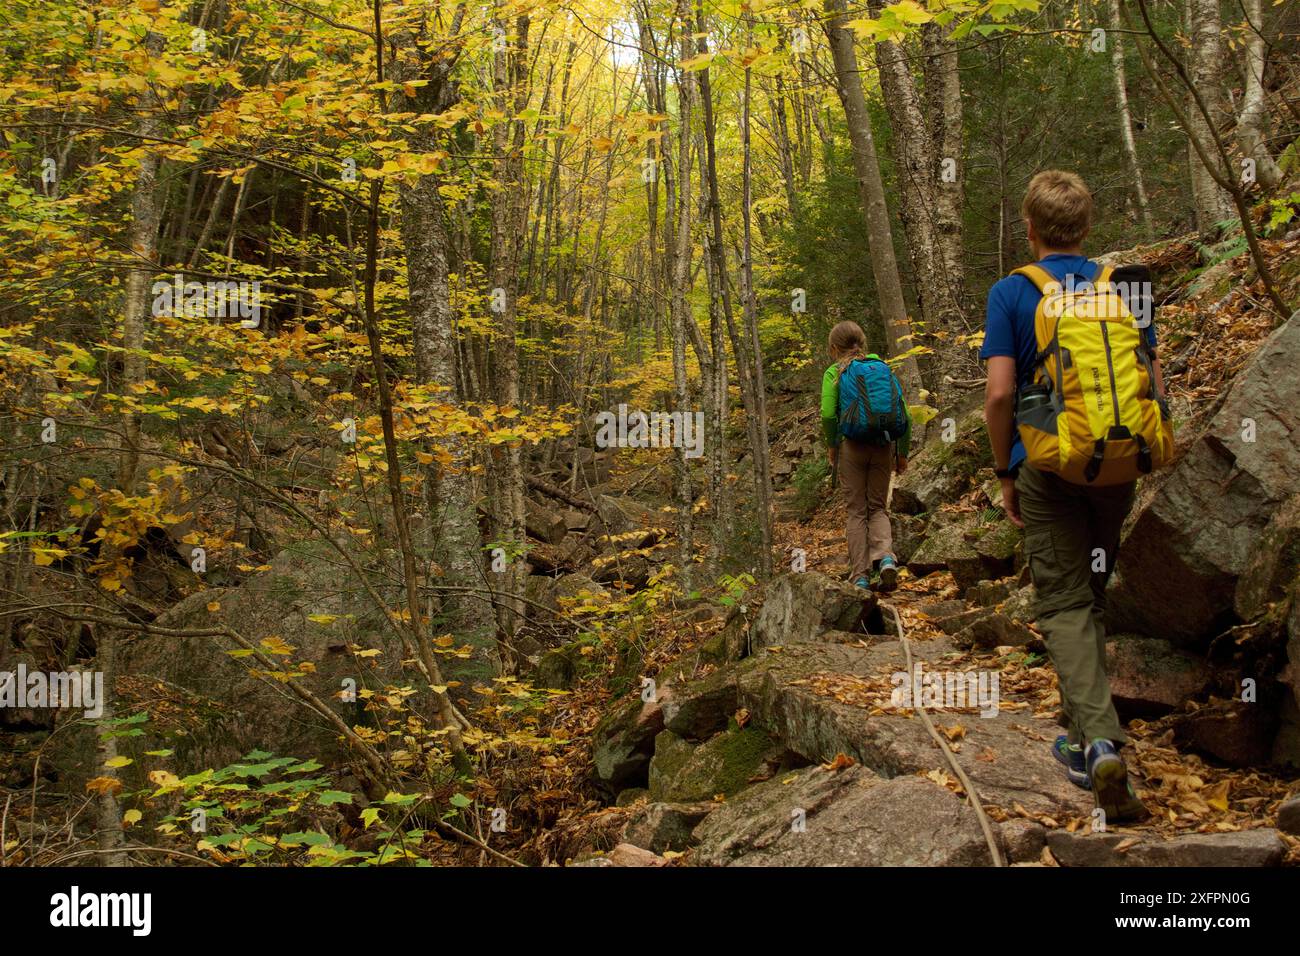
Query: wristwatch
{"x": 1006, "y": 472}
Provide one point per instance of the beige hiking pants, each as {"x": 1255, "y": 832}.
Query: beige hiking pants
{"x": 864, "y": 477}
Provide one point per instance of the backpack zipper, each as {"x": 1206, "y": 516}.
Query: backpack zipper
{"x": 1110, "y": 368}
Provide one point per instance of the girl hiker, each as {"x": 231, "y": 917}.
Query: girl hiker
{"x": 868, "y": 434}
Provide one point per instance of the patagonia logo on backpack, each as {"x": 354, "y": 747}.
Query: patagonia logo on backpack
{"x": 871, "y": 406}
{"x": 1092, "y": 414}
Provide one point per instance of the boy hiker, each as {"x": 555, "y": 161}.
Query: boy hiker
{"x": 865, "y": 415}
{"x": 1075, "y": 410}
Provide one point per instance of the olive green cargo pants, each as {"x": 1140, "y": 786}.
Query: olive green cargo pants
{"x": 1071, "y": 540}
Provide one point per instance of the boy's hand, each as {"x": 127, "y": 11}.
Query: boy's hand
{"x": 1011, "y": 502}
{"x": 900, "y": 464}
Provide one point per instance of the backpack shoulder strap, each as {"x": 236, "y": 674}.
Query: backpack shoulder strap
{"x": 1039, "y": 276}
{"x": 1102, "y": 278}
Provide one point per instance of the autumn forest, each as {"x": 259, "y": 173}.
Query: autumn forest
{"x": 410, "y": 455}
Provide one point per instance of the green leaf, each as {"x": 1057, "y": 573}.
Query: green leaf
{"x": 401, "y": 798}
{"x": 334, "y": 796}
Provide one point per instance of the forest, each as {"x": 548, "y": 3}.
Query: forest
{"x": 410, "y": 450}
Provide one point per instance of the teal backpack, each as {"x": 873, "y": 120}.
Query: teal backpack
{"x": 871, "y": 405}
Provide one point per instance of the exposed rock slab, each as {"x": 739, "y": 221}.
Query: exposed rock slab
{"x": 851, "y": 817}
{"x": 1007, "y": 757}
{"x": 1260, "y": 847}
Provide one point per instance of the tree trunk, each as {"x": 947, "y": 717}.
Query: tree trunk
{"x": 755, "y": 384}
{"x": 509, "y": 209}
{"x": 784, "y": 151}
{"x": 918, "y": 189}
{"x": 1120, "y": 78}
{"x": 452, "y": 536}
{"x": 143, "y": 239}
{"x": 942, "y": 76}
{"x": 1252, "y": 124}
{"x": 871, "y": 192}
{"x": 1206, "y": 67}
{"x": 719, "y": 317}
{"x": 681, "y": 284}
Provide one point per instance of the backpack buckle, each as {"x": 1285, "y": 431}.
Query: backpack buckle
{"x": 1093, "y": 469}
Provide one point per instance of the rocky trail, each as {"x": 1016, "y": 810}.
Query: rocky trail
{"x": 775, "y": 741}
{"x": 758, "y": 725}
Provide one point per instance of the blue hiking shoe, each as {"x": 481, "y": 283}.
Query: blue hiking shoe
{"x": 862, "y": 583}
{"x": 888, "y": 573}
{"x": 1110, "y": 784}
{"x": 1076, "y": 766}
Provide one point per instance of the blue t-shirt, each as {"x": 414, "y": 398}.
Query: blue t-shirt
{"x": 1009, "y": 321}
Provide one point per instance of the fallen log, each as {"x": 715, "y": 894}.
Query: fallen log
{"x": 560, "y": 494}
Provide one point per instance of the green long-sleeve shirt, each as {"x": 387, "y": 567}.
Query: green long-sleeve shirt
{"x": 831, "y": 411}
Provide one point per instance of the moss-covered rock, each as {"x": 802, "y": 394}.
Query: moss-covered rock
{"x": 944, "y": 470}
{"x": 946, "y": 549}
{"x": 972, "y": 549}
{"x": 681, "y": 772}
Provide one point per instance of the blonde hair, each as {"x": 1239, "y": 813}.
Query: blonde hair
{"x": 846, "y": 342}
{"x": 1059, "y": 206}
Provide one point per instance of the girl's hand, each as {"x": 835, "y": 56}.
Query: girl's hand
{"x": 900, "y": 464}
{"x": 834, "y": 454}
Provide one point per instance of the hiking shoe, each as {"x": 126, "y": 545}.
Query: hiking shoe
{"x": 888, "y": 573}
{"x": 1110, "y": 784}
{"x": 1076, "y": 766}
{"x": 862, "y": 583}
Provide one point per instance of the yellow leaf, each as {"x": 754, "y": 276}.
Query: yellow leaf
{"x": 1217, "y": 796}
{"x": 697, "y": 62}
{"x": 103, "y": 785}
{"x": 164, "y": 779}
{"x": 131, "y": 816}
{"x": 119, "y": 762}
{"x": 276, "y": 645}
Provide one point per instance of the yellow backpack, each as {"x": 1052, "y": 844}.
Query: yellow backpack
{"x": 1092, "y": 415}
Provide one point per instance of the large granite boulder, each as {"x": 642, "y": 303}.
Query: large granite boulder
{"x": 798, "y": 607}
{"x": 1192, "y": 541}
{"x": 1150, "y": 677}
{"x": 624, "y": 741}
